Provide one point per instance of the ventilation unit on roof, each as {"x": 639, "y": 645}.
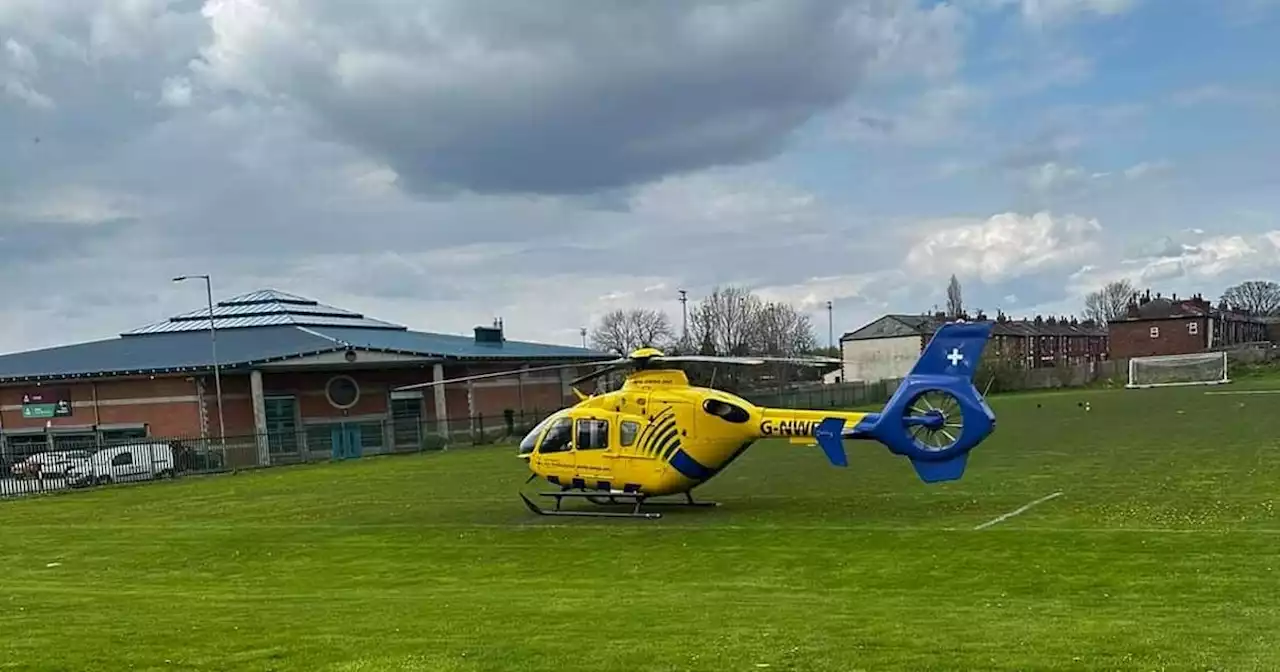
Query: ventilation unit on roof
{"x": 488, "y": 335}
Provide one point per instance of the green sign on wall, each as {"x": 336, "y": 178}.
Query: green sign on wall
{"x": 46, "y": 404}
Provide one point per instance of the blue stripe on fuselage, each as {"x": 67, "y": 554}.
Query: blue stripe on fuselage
{"x": 689, "y": 467}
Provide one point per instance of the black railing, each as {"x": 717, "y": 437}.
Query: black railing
{"x": 57, "y": 464}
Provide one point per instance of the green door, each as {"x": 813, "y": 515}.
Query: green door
{"x": 346, "y": 440}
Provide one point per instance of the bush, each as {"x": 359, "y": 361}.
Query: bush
{"x": 1001, "y": 374}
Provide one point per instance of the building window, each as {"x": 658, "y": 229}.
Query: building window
{"x": 342, "y": 391}
{"x": 1193, "y": 328}
{"x": 115, "y": 436}
{"x": 1155, "y": 332}
{"x": 282, "y": 424}
{"x": 22, "y": 446}
{"x": 406, "y": 422}
{"x": 85, "y": 441}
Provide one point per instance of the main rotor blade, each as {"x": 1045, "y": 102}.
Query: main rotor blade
{"x": 715, "y": 359}
{"x": 613, "y": 366}
{"x": 750, "y": 361}
{"x": 500, "y": 374}
{"x": 805, "y": 361}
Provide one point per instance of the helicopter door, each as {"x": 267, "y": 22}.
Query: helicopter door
{"x": 629, "y": 435}
{"x": 590, "y": 443}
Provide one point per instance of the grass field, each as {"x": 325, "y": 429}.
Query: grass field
{"x": 1162, "y": 552}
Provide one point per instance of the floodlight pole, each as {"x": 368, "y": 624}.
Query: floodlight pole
{"x": 684, "y": 320}
{"x": 831, "y": 333}
{"x": 213, "y": 344}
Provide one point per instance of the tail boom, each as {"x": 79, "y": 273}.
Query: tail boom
{"x": 827, "y": 428}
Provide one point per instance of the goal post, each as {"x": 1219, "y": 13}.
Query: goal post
{"x": 1196, "y": 368}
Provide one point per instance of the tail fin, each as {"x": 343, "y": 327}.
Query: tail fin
{"x": 937, "y": 416}
{"x": 954, "y": 350}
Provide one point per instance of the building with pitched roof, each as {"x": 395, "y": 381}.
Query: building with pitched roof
{"x": 1167, "y": 325}
{"x": 888, "y": 347}
{"x": 295, "y": 373}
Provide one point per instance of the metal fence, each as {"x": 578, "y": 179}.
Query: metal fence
{"x": 34, "y": 467}
{"x": 821, "y": 397}
{"x": 42, "y": 463}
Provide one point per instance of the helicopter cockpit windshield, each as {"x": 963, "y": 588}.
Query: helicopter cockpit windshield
{"x": 557, "y": 439}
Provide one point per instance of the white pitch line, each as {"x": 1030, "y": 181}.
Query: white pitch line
{"x": 1017, "y": 511}
{"x": 1243, "y": 392}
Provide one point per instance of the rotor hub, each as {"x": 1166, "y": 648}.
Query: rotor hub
{"x": 934, "y": 420}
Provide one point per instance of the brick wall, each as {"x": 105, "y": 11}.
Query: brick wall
{"x": 170, "y": 406}
{"x": 1175, "y": 337}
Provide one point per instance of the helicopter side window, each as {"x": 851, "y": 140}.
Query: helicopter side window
{"x": 593, "y": 434}
{"x": 558, "y": 437}
{"x": 627, "y": 432}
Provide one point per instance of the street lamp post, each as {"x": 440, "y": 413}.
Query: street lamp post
{"x": 831, "y": 332}
{"x": 213, "y": 344}
{"x": 684, "y": 320}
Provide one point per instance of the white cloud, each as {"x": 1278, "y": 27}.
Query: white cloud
{"x": 936, "y": 115}
{"x": 1228, "y": 95}
{"x": 1005, "y": 246}
{"x": 1050, "y": 12}
{"x": 18, "y": 70}
{"x": 176, "y": 92}
{"x": 1187, "y": 267}
{"x": 72, "y": 204}
{"x": 1052, "y": 176}
{"x": 1146, "y": 168}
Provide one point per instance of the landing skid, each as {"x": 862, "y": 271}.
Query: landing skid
{"x": 634, "y": 498}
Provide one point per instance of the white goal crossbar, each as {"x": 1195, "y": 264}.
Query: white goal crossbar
{"x": 1196, "y": 368}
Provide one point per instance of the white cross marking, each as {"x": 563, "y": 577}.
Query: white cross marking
{"x": 955, "y": 356}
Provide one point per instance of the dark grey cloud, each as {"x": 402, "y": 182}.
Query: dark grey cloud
{"x": 562, "y": 97}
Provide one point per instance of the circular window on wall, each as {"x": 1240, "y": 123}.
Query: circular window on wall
{"x": 342, "y": 391}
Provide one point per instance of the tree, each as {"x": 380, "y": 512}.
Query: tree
{"x": 623, "y": 331}
{"x": 729, "y": 319}
{"x": 955, "y": 305}
{"x": 1261, "y": 297}
{"x": 734, "y": 321}
{"x": 782, "y": 331}
{"x": 1109, "y": 303}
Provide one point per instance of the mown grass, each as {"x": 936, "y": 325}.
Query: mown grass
{"x": 1161, "y": 553}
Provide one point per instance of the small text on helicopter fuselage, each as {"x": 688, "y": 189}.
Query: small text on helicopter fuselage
{"x": 788, "y": 427}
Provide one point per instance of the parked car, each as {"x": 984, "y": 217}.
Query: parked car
{"x": 48, "y": 464}
{"x": 134, "y": 462}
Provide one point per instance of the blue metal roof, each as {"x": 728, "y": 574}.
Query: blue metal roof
{"x": 263, "y": 308}
{"x": 451, "y": 346}
{"x": 140, "y": 352}
{"x": 161, "y": 353}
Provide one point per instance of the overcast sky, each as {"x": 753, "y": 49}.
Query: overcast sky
{"x": 442, "y": 162}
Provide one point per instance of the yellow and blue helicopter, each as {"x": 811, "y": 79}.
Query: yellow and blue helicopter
{"x": 659, "y": 435}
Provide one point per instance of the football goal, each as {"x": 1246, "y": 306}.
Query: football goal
{"x": 1196, "y": 368}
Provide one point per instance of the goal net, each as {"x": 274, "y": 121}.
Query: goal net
{"x": 1197, "y": 368}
